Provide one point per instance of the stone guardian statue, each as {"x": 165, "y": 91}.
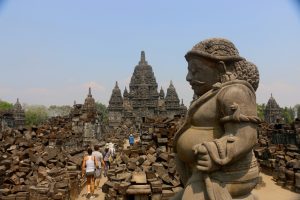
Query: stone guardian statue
{"x": 213, "y": 148}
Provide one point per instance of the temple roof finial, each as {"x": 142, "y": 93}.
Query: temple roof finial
{"x": 90, "y": 92}
{"x": 143, "y": 58}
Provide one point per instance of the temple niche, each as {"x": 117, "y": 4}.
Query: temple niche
{"x": 273, "y": 112}
{"x": 143, "y": 100}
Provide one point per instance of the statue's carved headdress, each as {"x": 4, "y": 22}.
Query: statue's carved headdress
{"x": 222, "y": 50}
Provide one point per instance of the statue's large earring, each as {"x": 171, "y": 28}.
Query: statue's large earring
{"x": 225, "y": 76}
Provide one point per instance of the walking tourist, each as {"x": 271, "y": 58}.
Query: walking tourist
{"x": 107, "y": 158}
{"x": 89, "y": 165}
{"x": 98, "y": 172}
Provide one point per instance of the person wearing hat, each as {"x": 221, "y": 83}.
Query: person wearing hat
{"x": 213, "y": 148}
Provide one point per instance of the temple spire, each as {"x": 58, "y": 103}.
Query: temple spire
{"x": 90, "y": 92}
{"x": 116, "y": 86}
{"x": 143, "y": 58}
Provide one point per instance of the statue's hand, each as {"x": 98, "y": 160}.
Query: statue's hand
{"x": 204, "y": 161}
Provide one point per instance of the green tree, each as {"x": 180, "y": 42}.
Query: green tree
{"x": 261, "y": 111}
{"x": 102, "y": 109}
{"x": 288, "y": 114}
{"x": 35, "y": 114}
{"x": 5, "y": 105}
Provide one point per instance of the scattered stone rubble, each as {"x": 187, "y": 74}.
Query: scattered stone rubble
{"x": 146, "y": 169}
{"x": 278, "y": 153}
{"x": 40, "y": 163}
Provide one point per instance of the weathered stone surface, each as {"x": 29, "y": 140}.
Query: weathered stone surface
{"x": 224, "y": 103}
{"x": 139, "y": 189}
{"x": 5, "y": 191}
{"x": 139, "y": 177}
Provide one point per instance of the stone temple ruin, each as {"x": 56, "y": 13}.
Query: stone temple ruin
{"x": 86, "y": 119}
{"x": 273, "y": 111}
{"x": 13, "y": 118}
{"x": 143, "y": 100}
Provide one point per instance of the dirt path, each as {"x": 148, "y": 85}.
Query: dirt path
{"x": 274, "y": 192}
{"x": 98, "y": 192}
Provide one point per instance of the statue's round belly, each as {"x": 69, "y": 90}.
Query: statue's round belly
{"x": 191, "y": 137}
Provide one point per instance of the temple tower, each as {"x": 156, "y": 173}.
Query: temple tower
{"x": 19, "y": 115}
{"x": 142, "y": 100}
{"x": 115, "y": 107}
{"x": 172, "y": 101}
{"x": 272, "y": 111}
{"x": 89, "y": 106}
{"x": 143, "y": 90}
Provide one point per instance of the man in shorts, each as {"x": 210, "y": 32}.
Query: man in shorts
{"x": 99, "y": 157}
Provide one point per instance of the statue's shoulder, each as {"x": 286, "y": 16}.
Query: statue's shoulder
{"x": 236, "y": 89}
{"x": 236, "y": 93}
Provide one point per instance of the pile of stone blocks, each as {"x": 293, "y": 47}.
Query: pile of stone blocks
{"x": 281, "y": 160}
{"x": 35, "y": 163}
{"x": 146, "y": 170}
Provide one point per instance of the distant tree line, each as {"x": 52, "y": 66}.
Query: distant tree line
{"x": 37, "y": 114}
{"x": 5, "y": 105}
{"x": 288, "y": 113}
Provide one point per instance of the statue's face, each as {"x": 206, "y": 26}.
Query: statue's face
{"x": 202, "y": 74}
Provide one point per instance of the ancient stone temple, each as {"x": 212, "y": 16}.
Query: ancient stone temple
{"x": 143, "y": 100}
{"x": 85, "y": 119}
{"x": 19, "y": 115}
{"x": 273, "y": 111}
{"x": 115, "y": 107}
{"x": 13, "y": 118}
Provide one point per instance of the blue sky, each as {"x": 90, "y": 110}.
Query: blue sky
{"x": 52, "y": 51}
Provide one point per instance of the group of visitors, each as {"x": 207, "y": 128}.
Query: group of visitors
{"x": 92, "y": 166}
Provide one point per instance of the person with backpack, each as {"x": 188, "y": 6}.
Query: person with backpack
{"x": 89, "y": 165}
{"x": 107, "y": 159}
{"x": 99, "y": 158}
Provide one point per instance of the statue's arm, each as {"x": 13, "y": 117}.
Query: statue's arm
{"x": 238, "y": 116}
